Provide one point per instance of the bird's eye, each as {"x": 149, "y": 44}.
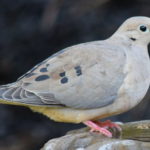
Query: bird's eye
{"x": 143, "y": 29}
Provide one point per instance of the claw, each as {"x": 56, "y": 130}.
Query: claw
{"x": 95, "y": 127}
{"x": 107, "y": 124}
{"x": 102, "y": 126}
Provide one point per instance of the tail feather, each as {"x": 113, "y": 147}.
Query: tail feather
{"x": 13, "y": 93}
{"x": 2, "y": 90}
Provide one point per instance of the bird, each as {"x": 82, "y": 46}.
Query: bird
{"x": 89, "y": 81}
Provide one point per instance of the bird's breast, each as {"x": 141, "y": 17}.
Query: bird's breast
{"x": 137, "y": 80}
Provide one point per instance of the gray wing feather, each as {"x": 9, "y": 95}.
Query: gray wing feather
{"x": 83, "y": 76}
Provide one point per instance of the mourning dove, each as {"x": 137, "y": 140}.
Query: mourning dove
{"x": 89, "y": 81}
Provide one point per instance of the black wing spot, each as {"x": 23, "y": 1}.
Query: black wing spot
{"x": 32, "y": 69}
{"x": 64, "y": 80}
{"x": 62, "y": 74}
{"x": 47, "y": 65}
{"x": 43, "y": 70}
{"x": 42, "y": 77}
{"x": 78, "y": 70}
{"x": 77, "y": 67}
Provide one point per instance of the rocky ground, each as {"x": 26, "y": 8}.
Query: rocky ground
{"x": 134, "y": 136}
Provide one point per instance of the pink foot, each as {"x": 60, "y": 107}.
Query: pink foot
{"x": 107, "y": 124}
{"x": 95, "y": 127}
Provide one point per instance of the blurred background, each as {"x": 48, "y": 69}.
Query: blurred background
{"x": 31, "y": 31}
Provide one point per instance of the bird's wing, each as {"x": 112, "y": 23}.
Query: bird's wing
{"x": 83, "y": 76}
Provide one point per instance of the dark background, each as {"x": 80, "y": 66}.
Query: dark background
{"x": 32, "y": 30}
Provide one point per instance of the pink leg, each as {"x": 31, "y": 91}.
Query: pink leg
{"x": 107, "y": 124}
{"x": 95, "y": 127}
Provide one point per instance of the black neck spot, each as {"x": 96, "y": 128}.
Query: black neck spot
{"x": 133, "y": 39}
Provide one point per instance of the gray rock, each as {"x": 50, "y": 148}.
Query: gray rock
{"x": 83, "y": 140}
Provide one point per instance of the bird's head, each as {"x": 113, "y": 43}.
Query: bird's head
{"x": 136, "y": 29}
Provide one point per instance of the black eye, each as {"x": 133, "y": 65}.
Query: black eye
{"x": 143, "y": 28}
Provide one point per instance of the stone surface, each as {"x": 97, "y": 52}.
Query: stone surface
{"x": 83, "y": 140}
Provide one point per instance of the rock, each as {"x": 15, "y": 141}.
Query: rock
{"x": 81, "y": 139}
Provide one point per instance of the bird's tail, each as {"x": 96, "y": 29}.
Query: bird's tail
{"x": 15, "y": 94}
{"x": 6, "y": 96}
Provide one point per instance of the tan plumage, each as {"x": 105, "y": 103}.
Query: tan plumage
{"x": 88, "y": 81}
